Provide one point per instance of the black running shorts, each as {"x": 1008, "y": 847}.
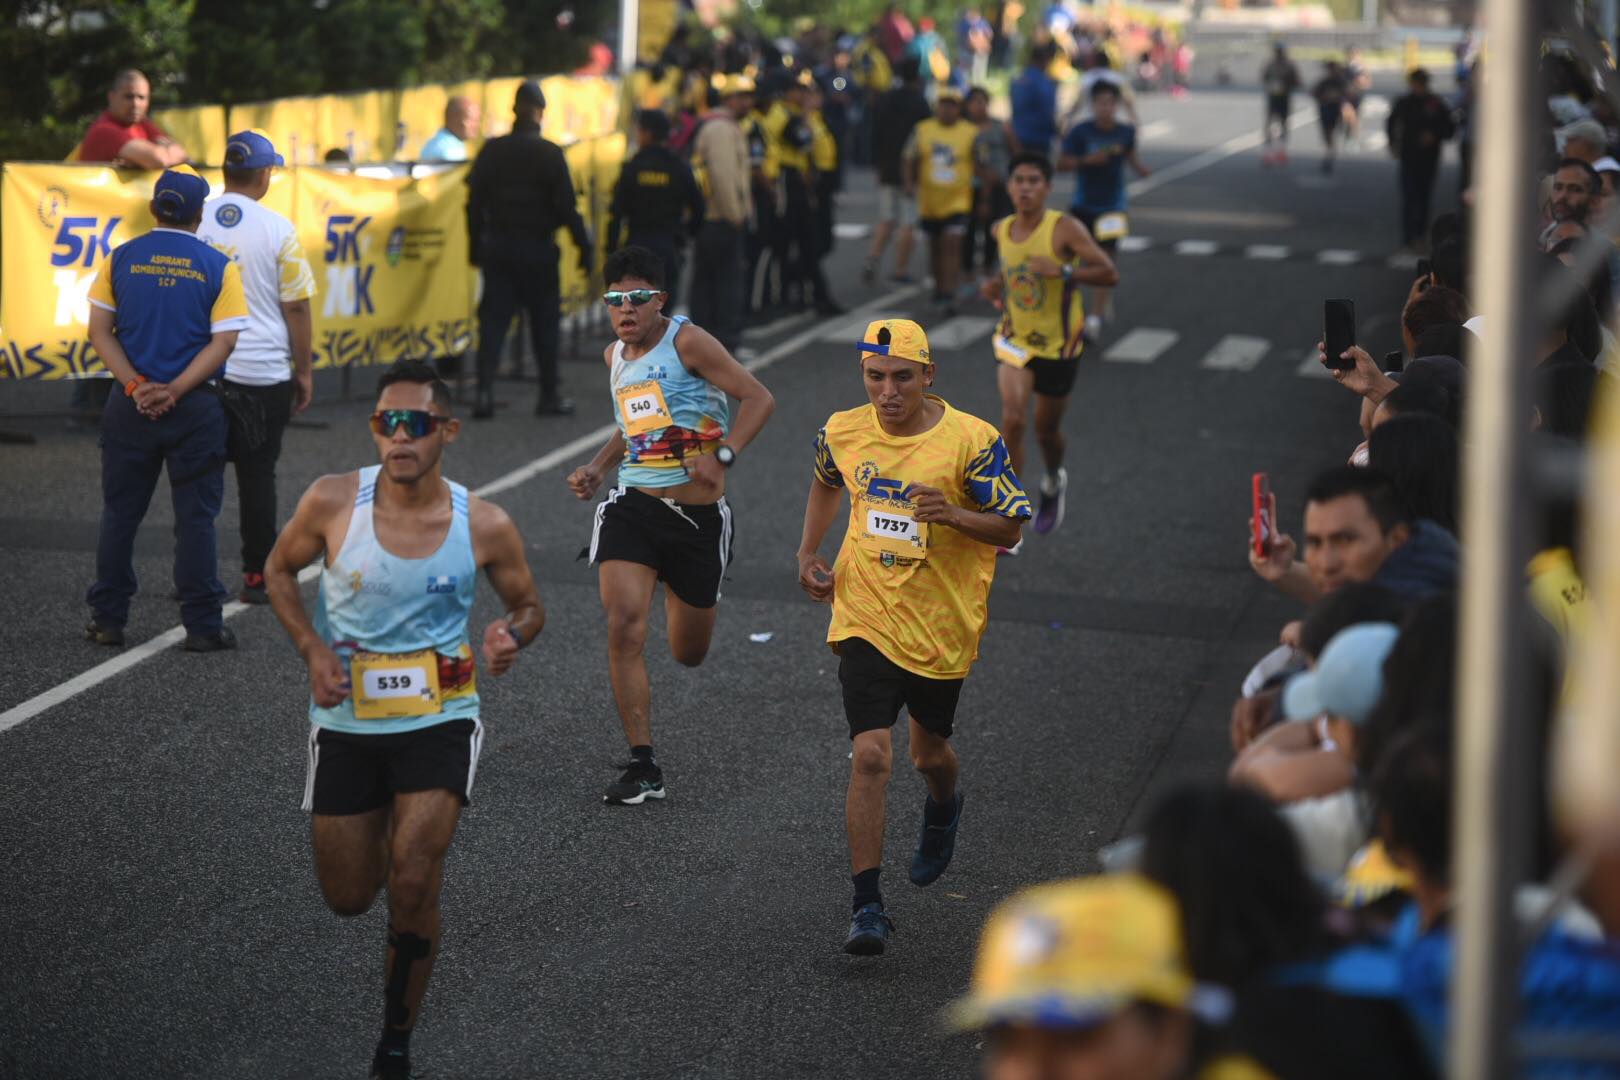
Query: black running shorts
{"x": 1054, "y": 377}
{"x": 1089, "y": 220}
{"x": 350, "y": 774}
{"x": 689, "y": 544}
{"x": 955, "y": 224}
{"x": 875, "y": 688}
{"x": 1277, "y": 106}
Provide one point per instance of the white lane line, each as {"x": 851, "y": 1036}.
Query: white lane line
{"x": 851, "y": 230}
{"x": 1213, "y": 156}
{"x": 1141, "y": 346}
{"x": 1134, "y": 243}
{"x": 846, "y": 329}
{"x": 1403, "y": 260}
{"x": 1376, "y": 141}
{"x": 1197, "y": 247}
{"x": 1155, "y": 128}
{"x": 1338, "y": 257}
{"x": 1266, "y": 251}
{"x": 1312, "y": 368}
{"x": 776, "y": 326}
{"x": 105, "y": 670}
{"x": 1235, "y": 352}
{"x": 960, "y": 332}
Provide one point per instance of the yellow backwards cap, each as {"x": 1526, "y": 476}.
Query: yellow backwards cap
{"x": 900, "y": 338}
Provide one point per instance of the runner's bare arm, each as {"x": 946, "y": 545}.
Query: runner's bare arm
{"x": 301, "y": 542}
{"x": 815, "y": 576}
{"x": 1136, "y": 163}
{"x": 1074, "y": 245}
{"x": 985, "y": 526}
{"x": 584, "y": 480}
{"x": 704, "y": 355}
{"x": 152, "y": 155}
{"x": 498, "y": 548}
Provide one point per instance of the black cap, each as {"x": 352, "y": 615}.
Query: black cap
{"x": 529, "y": 95}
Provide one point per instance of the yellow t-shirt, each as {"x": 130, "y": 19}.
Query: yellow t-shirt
{"x": 944, "y": 167}
{"x": 1559, "y": 595}
{"x": 823, "y": 147}
{"x": 789, "y": 137}
{"x": 873, "y": 72}
{"x": 1040, "y": 316}
{"x": 925, "y": 613}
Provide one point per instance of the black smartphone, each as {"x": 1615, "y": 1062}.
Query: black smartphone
{"x": 1394, "y": 361}
{"x": 1424, "y": 268}
{"x": 1338, "y": 332}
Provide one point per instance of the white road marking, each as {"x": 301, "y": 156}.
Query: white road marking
{"x": 1213, "y": 156}
{"x": 1155, "y": 128}
{"x": 1235, "y": 352}
{"x": 1376, "y": 141}
{"x": 1134, "y": 243}
{"x": 960, "y": 332}
{"x": 1312, "y": 367}
{"x": 776, "y": 326}
{"x": 1266, "y": 251}
{"x": 1197, "y": 247}
{"x": 105, "y": 670}
{"x": 1338, "y": 257}
{"x": 1141, "y": 346}
{"x": 845, "y": 329}
{"x": 851, "y": 230}
{"x": 1374, "y": 105}
{"x": 1403, "y": 260}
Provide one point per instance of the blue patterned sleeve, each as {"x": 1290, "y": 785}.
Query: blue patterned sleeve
{"x": 992, "y": 486}
{"x": 826, "y": 468}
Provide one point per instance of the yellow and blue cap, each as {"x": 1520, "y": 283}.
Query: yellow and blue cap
{"x": 1075, "y": 954}
{"x": 251, "y": 149}
{"x": 179, "y": 194}
{"x": 900, "y": 338}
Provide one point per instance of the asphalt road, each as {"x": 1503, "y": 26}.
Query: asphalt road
{"x": 160, "y": 911}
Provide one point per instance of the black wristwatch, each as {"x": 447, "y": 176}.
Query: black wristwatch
{"x": 726, "y": 456}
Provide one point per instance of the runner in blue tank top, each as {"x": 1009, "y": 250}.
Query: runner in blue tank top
{"x": 395, "y": 731}
{"x": 668, "y": 519}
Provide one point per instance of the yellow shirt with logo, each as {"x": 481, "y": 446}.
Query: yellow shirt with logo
{"x": 779, "y": 126}
{"x": 1559, "y": 596}
{"x": 926, "y": 613}
{"x": 944, "y": 154}
{"x": 1040, "y": 316}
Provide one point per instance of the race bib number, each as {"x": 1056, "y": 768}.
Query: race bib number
{"x": 388, "y": 686}
{"x": 1111, "y": 226}
{"x": 893, "y": 532}
{"x": 1008, "y": 353}
{"x": 642, "y": 406}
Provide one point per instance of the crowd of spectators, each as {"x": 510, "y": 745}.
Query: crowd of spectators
{"x": 1297, "y": 919}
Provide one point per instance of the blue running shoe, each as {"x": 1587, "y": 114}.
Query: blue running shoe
{"x": 870, "y": 929}
{"x": 935, "y": 846}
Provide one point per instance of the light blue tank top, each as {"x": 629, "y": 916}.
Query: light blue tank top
{"x": 385, "y": 604}
{"x": 699, "y": 409}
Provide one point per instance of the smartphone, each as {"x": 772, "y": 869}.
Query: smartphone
{"x": 1394, "y": 361}
{"x": 1338, "y": 331}
{"x": 1260, "y": 515}
{"x": 1424, "y": 268}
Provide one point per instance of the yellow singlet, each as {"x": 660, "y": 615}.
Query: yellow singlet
{"x": 1041, "y": 316}
{"x": 944, "y": 168}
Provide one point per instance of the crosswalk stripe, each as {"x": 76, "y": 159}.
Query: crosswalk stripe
{"x": 847, "y": 330}
{"x": 1141, "y": 346}
{"x": 1236, "y": 352}
{"x": 1134, "y": 243}
{"x": 1338, "y": 257}
{"x": 1403, "y": 260}
{"x": 1197, "y": 247}
{"x": 1311, "y": 367}
{"x": 1154, "y": 128}
{"x": 1376, "y": 141}
{"x": 851, "y": 230}
{"x": 960, "y": 332}
{"x": 1266, "y": 251}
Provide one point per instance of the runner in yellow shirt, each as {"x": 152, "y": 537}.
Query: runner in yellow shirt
{"x": 932, "y": 496}
{"x": 938, "y": 167}
{"x": 1046, "y": 255}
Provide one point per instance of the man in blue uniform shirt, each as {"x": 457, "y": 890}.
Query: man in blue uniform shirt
{"x": 165, "y": 310}
{"x": 1098, "y": 150}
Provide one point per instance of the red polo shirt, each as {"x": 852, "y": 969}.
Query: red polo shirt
{"x": 107, "y": 136}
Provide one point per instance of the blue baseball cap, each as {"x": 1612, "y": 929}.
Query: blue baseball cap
{"x": 1348, "y": 678}
{"x": 251, "y": 149}
{"x": 179, "y": 194}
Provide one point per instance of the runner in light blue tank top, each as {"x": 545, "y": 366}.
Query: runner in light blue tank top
{"x": 376, "y": 602}
{"x": 395, "y": 730}
{"x": 698, "y": 415}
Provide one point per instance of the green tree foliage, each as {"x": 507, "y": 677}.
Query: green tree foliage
{"x": 59, "y": 56}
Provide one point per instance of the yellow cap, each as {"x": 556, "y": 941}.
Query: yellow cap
{"x": 948, "y": 93}
{"x": 737, "y": 84}
{"x": 900, "y": 338}
{"x": 1371, "y": 876}
{"x": 1076, "y": 953}
{"x": 804, "y": 78}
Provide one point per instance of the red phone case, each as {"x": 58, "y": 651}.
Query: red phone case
{"x": 1260, "y": 520}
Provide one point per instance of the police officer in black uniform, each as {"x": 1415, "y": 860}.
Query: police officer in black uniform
{"x": 658, "y": 198}
{"x": 1419, "y": 124}
{"x": 518, "y": 194}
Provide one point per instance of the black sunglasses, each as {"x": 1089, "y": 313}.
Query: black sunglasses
{"x": 417, "y": 423}
{"x": 635, "y": 296}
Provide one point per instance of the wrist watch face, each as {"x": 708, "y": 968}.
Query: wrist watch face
{"x": 725, "y": 456}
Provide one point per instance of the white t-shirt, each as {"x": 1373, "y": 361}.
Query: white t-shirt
{"x": 1331, "y": 829}
{"x": 265, "y": 248}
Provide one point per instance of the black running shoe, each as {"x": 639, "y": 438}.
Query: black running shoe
{"x": 935, "y": 846}
{"x": 639, "y": 783}
{"x": 392, "y": 1065}
{"x": 870, "y": 929}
